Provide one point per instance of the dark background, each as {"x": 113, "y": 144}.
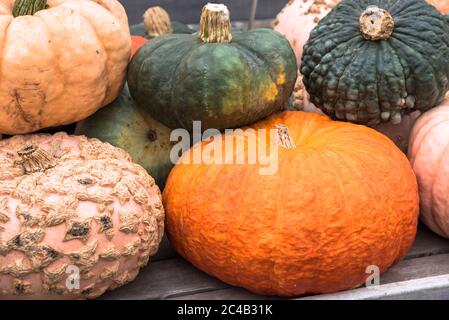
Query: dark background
{"x": 188, "y": 11}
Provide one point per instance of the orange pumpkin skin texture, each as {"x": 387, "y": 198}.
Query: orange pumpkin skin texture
{"x": 137, "y": 42}
{"x": 298, "y": 18}
{"x": 61, "y": 64}
{"x": 91, "y": 207}
{"x": 441, "y": 5}
{"x": 333, "y": 209}
{"x": 428, "y": 151}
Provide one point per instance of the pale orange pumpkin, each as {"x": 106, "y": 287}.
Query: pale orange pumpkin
{"x": 72, "y": 204}
{"x": 298, "y": 18}
{"x": 344, "y": 198}
{"x": 441, "y": 5}
{"x": 61, "y": 63}
{"x": 428, "y": 152}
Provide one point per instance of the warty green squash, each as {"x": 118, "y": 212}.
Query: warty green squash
{"x": 223, "y": 80}
{"x": 373, "y": 61}
{"x": 123, "y": 125}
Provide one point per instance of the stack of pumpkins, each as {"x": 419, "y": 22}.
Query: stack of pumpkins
{"x": 313, "y": 225}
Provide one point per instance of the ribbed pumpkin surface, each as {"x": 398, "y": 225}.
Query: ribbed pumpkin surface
{"x": 343, "y": 198}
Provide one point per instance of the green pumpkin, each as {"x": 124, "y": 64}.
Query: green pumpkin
{"x": 123, "y": 125}
{"x": 222, "y": 80}
{"x": 373, "y": 61}
{"x": 156, "y": 23}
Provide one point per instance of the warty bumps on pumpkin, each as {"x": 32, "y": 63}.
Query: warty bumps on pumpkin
{"x": 373, "y": 61}
{"x": 344, "y": 198}
{"x": 61, "y": 60}
{"x": 72, "y": 204}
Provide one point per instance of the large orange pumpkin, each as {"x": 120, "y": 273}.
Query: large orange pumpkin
{"x": 61, "y": 60}
{"x": 428, "y": 153}
{"x": 344, "y": 198}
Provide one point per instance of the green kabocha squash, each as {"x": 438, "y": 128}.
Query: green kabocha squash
{"x": 372, "y": 61}
{"x": 223, "y": 80}
{"x": 123, "y": 125}
{"x": 156, "y": 22}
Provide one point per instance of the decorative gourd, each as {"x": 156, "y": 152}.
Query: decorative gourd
{"x": 318, "y": 214}
{"x": 441, "y": 5}
{"x": 372, "y": 61}
{"x": 124, "y": 126}
{"x": 156, "y": 22}
{"x": 298, "y": 18}
{"x": 61, "y": 61}
{"x": 137, "y": 42}
{"x": 220, "y": 79}
{"x": 428, "y": 152}
{"x": 71, "y": 205}
{"x": 398, "y": 133}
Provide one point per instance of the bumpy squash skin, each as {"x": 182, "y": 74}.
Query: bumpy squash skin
{"x": 124, "y": 126}
{"x": 224, "y": 85}
{"x": 351, "y": 78}
{"x": 313, "y": 227}
{"x": 178, "y": 28}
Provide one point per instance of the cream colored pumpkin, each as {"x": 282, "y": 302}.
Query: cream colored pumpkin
{"x": 61, "y": 64}
{"x": 68, "y": 205}
{"x": 428, "y": 154}
{"x": 298, "y": 18}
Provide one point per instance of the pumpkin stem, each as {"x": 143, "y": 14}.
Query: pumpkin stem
{"x": 215, "y": 24}
{"x": 35, "y": 159}
{"x": 376, "y": 23}
{"x": 28, "y": 7}
{"x": 283, "y": 137}
{"x": 157, "y": 22}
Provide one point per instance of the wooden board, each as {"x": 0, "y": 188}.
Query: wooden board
{"x": 422, "y": 274}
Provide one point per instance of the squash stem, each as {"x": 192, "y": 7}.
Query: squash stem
{"x": 35, "y": 159}
{"x": 215, "y": 24}
{"x": 157, "y": 22}
{"x": 376, "y": 23}
{"x": 28, "y": 7}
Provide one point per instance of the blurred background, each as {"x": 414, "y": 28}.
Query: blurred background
{"x": 188, "y": 11}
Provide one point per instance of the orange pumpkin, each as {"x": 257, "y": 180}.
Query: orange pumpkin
{"x": 62, "y": 60}
{"x": 137, "y": 42}
{"x": 344, "y": 198}
{"x": 442, "y": 5}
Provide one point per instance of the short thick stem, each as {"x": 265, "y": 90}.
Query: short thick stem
{"x": 376, "y": 23}
{"x": 215, "y": 24}
{"x": 157, "y": 22}
{"x": 28, "y": 7}
{"x": 34, "y": 159}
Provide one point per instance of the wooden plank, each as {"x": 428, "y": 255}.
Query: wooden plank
{"x": 166, "y": 279}
{"x": 425, "y": 288}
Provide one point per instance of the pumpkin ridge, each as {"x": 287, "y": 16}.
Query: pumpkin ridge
{"x": 436, "y": 170}
{"x": 106, "y": 67}
{"x": 435, "y": 82}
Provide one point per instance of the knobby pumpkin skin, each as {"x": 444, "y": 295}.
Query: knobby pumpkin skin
{"x": 123, "y": 125}
{"x": 429, "y": 148}
{"x": 298, "y": 18}
{"x": 61, "y": 64}
{"x": 156, "y": 22}
{"x": 372, "y": 61}
{"x": 398, "y": 133}
{"x": 223, "y": 80}
{"x": 68, "y": 201}
{"x": 320, "y": 213}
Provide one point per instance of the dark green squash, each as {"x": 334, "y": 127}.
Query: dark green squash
{"x": 223, "y": 80}
{"x": 157, "y": 23}
{"x": 372, "y": 61}
{"x": 124, "y": 126}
